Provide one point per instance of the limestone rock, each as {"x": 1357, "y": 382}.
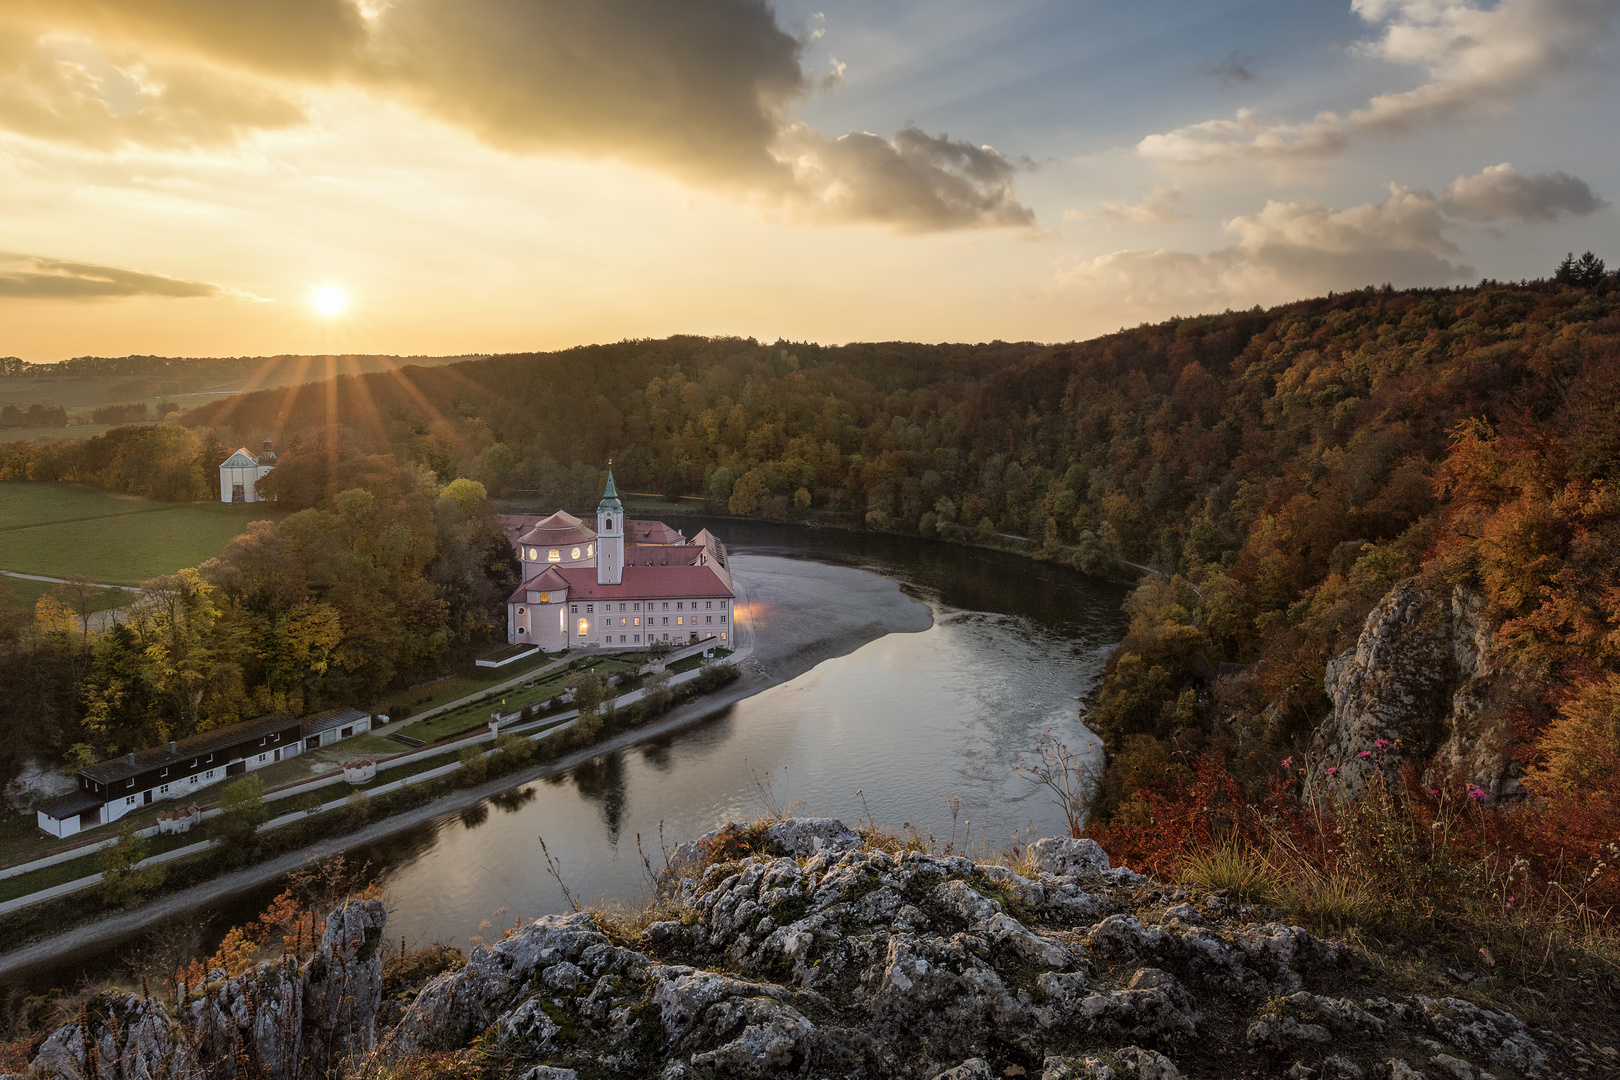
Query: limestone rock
{"x": 1063, "y": 856}
{"x": 971, "y": 1069}
{"x": 1421, "y": 674}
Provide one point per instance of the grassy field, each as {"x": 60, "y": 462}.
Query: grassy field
{"x": 475, "y": 716}
{"x": 30, "y": 592}
{"x": 61, "y": 530}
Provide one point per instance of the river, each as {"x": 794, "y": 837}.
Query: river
{"x": 919, "y": 729}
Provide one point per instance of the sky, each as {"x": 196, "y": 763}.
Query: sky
{"x": 250, "y": 177}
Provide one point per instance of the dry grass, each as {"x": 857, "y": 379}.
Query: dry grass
{"x": 1233, "y": 869}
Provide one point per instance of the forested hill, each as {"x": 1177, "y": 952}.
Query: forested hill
{"x": 1291, "y": 463}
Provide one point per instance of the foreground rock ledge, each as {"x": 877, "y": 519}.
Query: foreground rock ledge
{"x": 800, "y": 948}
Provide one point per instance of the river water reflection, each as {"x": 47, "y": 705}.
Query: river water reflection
{"x": 898, "y": 730}
{"x": 904, "y": 729}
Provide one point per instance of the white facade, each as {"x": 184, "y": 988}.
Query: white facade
{"x": 610, "y": 536}
{"x": 239, "y": 474}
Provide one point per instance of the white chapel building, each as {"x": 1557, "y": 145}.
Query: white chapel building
{"x": 624, "y": 585}
{"x": 240, "y": 473}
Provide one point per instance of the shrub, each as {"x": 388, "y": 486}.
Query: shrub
{"x": 125, "y": 882}
{"x": 474, "y": 766}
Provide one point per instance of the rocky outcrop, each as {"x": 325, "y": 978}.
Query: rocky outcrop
{"x": 802, "y": 949}
{"x": 1420, "y": 685}
{"x": 280, "y": 1021}
{"x": 845, "y": 959}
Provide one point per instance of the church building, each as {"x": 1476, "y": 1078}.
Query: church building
{"x": 623, "y": 585}
{"x": 240, "y": 473}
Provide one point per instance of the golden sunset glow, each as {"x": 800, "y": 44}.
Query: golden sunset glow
{"x": 509, "y": 175}
{"x": 329, "y": 301}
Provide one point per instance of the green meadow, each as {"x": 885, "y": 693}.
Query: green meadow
{"x": 60, "y": 530}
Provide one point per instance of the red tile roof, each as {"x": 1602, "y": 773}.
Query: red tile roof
{"x": 548, "y": 580}
{"x": 646, "y": 582}
{"x": 652, "y": 532}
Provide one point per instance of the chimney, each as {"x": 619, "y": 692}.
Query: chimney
{"x": 172, "y": 746}
{"x": 132, "y": 757}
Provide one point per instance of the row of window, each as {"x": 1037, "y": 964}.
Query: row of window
{"x": 555, "y": 554}
{"x": 680, "y": 605}
{"x": 607, "y": 639}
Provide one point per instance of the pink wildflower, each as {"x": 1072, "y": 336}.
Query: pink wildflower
{"x": 1332, "y": 770}
{"x": 1510, "y": 902}
{"x": 1365, "y": 753}
{"x": 1475, "y": 793}
{"x": 1287, "y": 761}
{"x": 1380, "y": 743}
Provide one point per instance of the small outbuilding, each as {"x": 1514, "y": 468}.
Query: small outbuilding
{"x": 333, "y": 725}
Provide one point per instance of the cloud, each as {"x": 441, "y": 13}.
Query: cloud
{"x": 70, "y": 92}
{"x": 1286, "y": 250}
{"x": 1158, "y": 207}
{"x": 29, "y": 277}
{"x": 1477, "y": 62}
{"x": 1500, "y": 193}
{"x": 915, "y": 181}
{"x": 702, "y": 90}
{"x": 1236, "y": 70}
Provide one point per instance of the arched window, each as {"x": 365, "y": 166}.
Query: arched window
{"x": 553, "y": 555}
{"x": 607, "y": 524}
{"x": 584, "y": 627}
{"x": 590, "y": 549}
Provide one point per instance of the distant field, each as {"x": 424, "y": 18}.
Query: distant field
{"x": 31, "y": 591}
{"x": 61, "y": 530}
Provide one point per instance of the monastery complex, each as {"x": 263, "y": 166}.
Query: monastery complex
{"x": 624, "y": 585}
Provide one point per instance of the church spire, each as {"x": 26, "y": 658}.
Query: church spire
{"x": 610, "y": 535}
{"x": 610, "y": 496}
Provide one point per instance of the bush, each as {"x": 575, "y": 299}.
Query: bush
{"x": 126, "y": 883}
{"x": 242, "y": 811}
{"x": 474, "y": 766}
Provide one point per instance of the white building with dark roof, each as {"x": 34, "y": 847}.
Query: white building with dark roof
{"x": 587, "y": 588}
{"x": 239, "y": 474}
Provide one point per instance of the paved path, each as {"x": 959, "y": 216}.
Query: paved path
{"x": 65, "y": 581}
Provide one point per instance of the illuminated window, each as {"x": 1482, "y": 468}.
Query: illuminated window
{"x": 621, "y": 622}
{"x": 722, "y": 635}
{"x": 590, "y": 549}
{"x": 553, "y": 555}
{"x": 533, "y": 554}
{"x": 584, "y": 627}
{"x": 574, "y": 554}
{"x": 679, "y": 619}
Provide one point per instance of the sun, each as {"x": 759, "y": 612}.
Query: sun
{"x": 329, "y": 301}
